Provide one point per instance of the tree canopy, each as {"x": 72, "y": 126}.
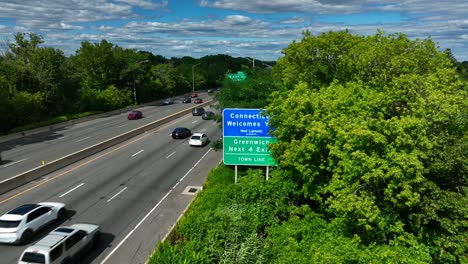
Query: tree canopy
{"x": 38, "y": 83}
{"x": 372, "y": 138}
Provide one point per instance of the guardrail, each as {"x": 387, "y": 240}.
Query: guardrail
{"x": 25, "y": 177}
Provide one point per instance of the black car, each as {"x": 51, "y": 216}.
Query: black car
{"x": 187, "y": 100}
{"x": 198, "y": 111}
{"x": 208, "y": 115}
{"x": 181, "y": 132}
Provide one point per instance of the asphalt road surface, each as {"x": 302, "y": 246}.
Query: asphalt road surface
{"x": 135, "y": 191}
{"x": 29, "y": 152}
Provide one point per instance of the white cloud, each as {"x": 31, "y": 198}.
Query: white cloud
{"x": 293, "y": 20}
{"x": 260, "y": 28}
{"x": 282, "y": 6}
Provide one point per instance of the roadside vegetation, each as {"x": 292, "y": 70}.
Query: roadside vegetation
{"x": 41, "y": 86}
{"x": 372, "y": 159}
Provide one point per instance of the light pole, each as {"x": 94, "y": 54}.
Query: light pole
{"x": 253, "y": 61}
{"x": 193, "y": 77}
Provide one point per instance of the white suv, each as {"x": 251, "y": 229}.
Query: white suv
{"x": 20, "y": 224}
{"x": 63, "y": 245}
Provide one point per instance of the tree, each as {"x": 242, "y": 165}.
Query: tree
{"x": 97, "y": 65}
{"x": 367, "y": 134}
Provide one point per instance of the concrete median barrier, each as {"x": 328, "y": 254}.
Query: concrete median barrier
{"x": 33, "y": 174}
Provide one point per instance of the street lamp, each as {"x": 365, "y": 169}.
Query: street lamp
{"x": 193, "y": 77}
{"x": 252, "y": 60}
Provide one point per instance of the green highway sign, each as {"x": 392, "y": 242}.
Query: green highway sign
{"x": 246, "y": 137}
{"x": 239, "y": 76}
{"x": 248, "y": 151}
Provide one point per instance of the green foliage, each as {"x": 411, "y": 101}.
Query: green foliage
{"x": 307, "y": 238}
{"x": 375, "y": 138}
{"x": 112, "y": 98}
{"x": 217, "y": 145}
{"x": 226, "y": 222}
{"x": 251, "y": 93}
{"x": 69, "y": 85}
{"x": 27, "y": 106}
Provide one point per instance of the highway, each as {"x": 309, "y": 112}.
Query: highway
{"x": 134, "y": 190}
{"x": 29, "y": 152}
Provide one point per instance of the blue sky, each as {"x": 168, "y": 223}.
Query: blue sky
{"x": 239, "y": 28}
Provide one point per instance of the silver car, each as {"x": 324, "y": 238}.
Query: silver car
{"x": 20, "y": 224}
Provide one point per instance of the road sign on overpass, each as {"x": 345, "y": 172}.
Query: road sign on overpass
{"x": 239, "y": 76}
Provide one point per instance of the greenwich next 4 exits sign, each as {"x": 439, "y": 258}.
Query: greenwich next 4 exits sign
{"x": 246, "y": 137}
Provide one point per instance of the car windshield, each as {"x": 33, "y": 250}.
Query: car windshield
{"x": 9, "y": 224}
{"x": 134, "y": 113}
{"x": 32, "y": 257}
{"x": 196, "y": 137}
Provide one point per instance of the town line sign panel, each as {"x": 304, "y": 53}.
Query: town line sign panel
{"x": 246, "y": 137}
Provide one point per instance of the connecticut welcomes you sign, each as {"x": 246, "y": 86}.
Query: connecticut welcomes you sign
{"x": 246, "y": 137}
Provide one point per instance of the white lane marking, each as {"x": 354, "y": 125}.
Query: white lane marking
{"x": 13, "y": 163}
{"x": 203, "y": 130}
{"x": 123, "y": 125}
{"x": 170, "y": 155}
{"x": 152, "y": 210}
{"x": 138, "y": 153}
{"x": 116, "y": 194}
{"x": 82, "y": 139}
{"x": 71, "y": 190}
{"x": 194, "y": 121}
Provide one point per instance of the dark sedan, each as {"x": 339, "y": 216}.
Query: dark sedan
{"x": 198, "y": 101}
{"x": 187, "y": 100}
{"x": 208, "y": 115}
{"x": 198, "y": 111}
{"x": 181, "y": 132}
{"x": 135, "y": 115}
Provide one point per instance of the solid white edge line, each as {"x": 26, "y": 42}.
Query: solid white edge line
{"x": 13, "y": 163}
{"x": 138, "y": 153}
{"x": 152, "y": 210}
{"x": 110, "y": 199}
{"x": 170, "y": 155}
{"x": 71, "y": 190}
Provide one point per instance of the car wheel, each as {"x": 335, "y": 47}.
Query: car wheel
{"x": 27, "y": 236}
{"x": 61, "y": 214}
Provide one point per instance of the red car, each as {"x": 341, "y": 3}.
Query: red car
{"x": 198, "y": 101}
{"x": 194, "y": 95}
{"x": 135, "y": 115}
